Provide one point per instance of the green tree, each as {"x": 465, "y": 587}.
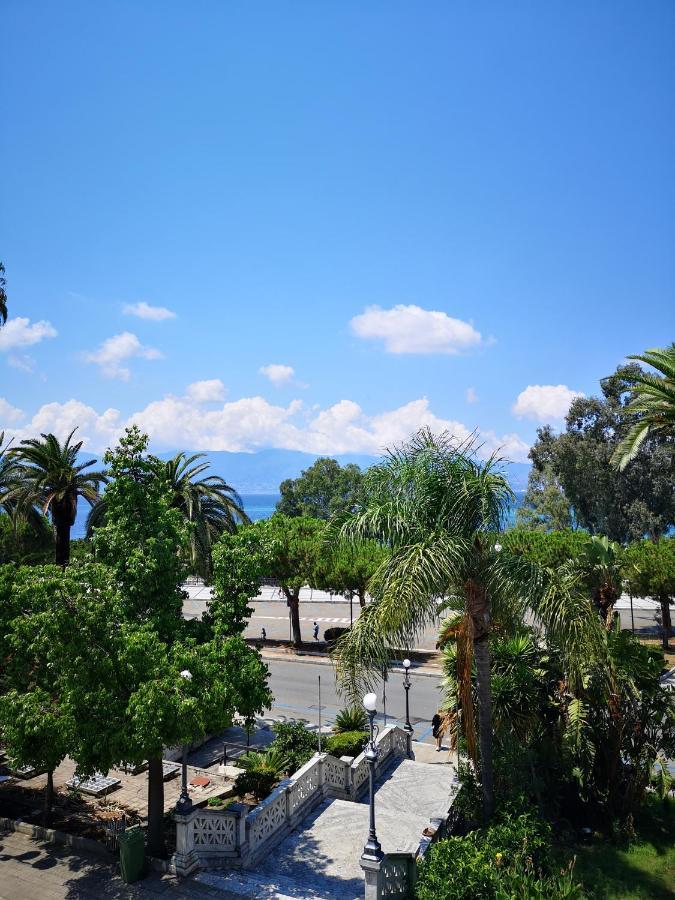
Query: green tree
{"x": 3, "y": 295}
{"x": 545, "y": 506}
{"x": 439, "y": 510}
{"x": 322, "y": 490}
{"x": 651, "y": 409}
{"x": 239, "y": 562}
{"x": 49, "y": 477}
{"x": 295, "y": 544}
{"x": 348, "y": 570}
{"x": 209, "y": 504}
{"x": 622, "y": 505}
{"x": 649, "y": 568}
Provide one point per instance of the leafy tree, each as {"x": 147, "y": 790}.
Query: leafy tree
{"x": 294, "y": 547}
{"x": 25, "y": 542}
{"x": 143, "y": 536}
{"x": 348, "y": 570}
{"x": 3, "y": 295}
{"x": 209, "y": 505}
{"x": 649, "y": 568}
{"x": 239, "y": 562}
{"x": 547, "y": 549}
{"x": 622, "y": 505}
{"x": 438, "y": 510}
{"x": 322, "y": 490}
{"x": 49, "y": 477}
{"x": 545, "y": 506}
{"x": 652, "y": 403}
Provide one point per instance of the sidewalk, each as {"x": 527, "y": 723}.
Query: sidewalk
{"x": 35, "y": 870}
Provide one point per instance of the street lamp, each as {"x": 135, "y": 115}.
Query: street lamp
{"x": 406, "y": 684}
{"x": 372, "y": 849}
{"x": 184, "y": 804}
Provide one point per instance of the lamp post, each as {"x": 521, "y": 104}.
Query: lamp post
{"x": 372, "y": 849}
{"x": 406, "y": 685}
{"x": 184, "y": 804}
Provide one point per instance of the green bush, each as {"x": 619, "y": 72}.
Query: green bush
{"x": 272, "y": 760}
{"x": 295, "y": 742}
{"x": 509, "y": 859}
{"x": 332, "y": 635}
{"x": 348, "y": 743}
{"x": 258, "y": 782}
{"x": 353, "y": 718}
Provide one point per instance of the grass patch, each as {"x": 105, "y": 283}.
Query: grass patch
{"x": 643, "y": 871}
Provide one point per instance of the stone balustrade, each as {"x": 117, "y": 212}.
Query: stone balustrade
{"x": 231, "y": 837}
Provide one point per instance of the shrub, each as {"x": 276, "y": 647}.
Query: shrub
{"x": 273, "y": 760}
{"x": 353, "y": 718}
{"x": 509, "y": 859}
{"x": 296, "y": 742}
{"x": 258, "y": 782}
{"x": 348, "y": 743}
{"x": 332, "y": 635}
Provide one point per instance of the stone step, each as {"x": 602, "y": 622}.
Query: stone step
{"x": 274, "y": 887}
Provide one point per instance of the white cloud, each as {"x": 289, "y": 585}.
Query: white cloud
{"x": 544, "y": 402}
{"x": 144, "y": 310}
{"x": 277, "y": 373}
{"x": 9, "y": 415}
{"x": 471, "y": 395}
{"x": 19, "y": 332}
{"x": 115, "y": 350}
{"x": 210, "y": 391}
{"x": 252, "y": 423}
{"x": 21, "y": 361}
{"x": 411, "y": 329}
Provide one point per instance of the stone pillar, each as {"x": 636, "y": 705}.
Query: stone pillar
{"x": 185, "y": 859}
{"x": 372, "y": 873}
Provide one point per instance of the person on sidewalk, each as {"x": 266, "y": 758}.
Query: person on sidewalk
{"x": 436, "y": 730}
{"x": 263, "y": 634}
{"x": 316, "y": 632}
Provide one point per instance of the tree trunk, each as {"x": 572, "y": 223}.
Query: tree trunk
{"x": 49, "y": 799}
{"x": 362, "y": 598}
{"x": 481, "y": 651}
{"x": 155, "y": 837}
{"x": 666, "y": 624}
{"x": 62, "y": 529}
{"x": 293, "y": 602}
{"x": 478, "y": 608}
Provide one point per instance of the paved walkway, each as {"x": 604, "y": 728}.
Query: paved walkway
{"x": 35, "y": 870}
{"x": 320, "y": 860}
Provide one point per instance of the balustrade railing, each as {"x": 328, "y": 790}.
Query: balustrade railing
{"x": 202, "y": 834}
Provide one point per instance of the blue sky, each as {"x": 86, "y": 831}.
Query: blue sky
{"x": 445, "y": 213}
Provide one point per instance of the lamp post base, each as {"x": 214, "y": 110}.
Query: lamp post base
{"x": 372, "y": 850}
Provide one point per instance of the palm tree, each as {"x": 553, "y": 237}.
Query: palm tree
{"x": 653, "y": 402}
{"x": 7, "y": 471}
{"x": 210, "y": 504}
{"x": 439, "y": 510}
{"x": 49, "y": 477}
{"x": 3, "y": 296}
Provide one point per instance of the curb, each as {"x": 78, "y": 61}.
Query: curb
{"x": 302, "y": 657}
{"x": 51, "y": 836}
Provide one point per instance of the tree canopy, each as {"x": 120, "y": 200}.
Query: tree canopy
{"x": 324, "y": 489}
{"x": 623, "y": 505}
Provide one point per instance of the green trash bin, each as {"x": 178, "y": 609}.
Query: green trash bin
{"x": 132, "y": 854}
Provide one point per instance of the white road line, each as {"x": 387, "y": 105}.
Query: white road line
{"x": 303, "y": 619}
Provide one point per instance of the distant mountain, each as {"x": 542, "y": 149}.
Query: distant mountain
{"x": 263, "y": 472}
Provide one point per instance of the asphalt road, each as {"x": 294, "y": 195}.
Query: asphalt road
{"x": 295, "y": 685}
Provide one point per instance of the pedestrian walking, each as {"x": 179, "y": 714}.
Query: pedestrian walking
{"x": 437, "y": 730}
{"x": 263, "y": 634}
{"x": 316, "y": 632}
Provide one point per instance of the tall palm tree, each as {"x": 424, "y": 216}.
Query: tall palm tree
{"x": 439, "y": 510}
{"x": 3, "y": 296}
{"x": 653, "y": 402}
{"x": 210, "y": 504}
{"x": 7, "y": 467}
{"x": 49, "y": 477}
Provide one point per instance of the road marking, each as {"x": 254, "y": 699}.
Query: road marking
{"x": 304, "y": 619}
